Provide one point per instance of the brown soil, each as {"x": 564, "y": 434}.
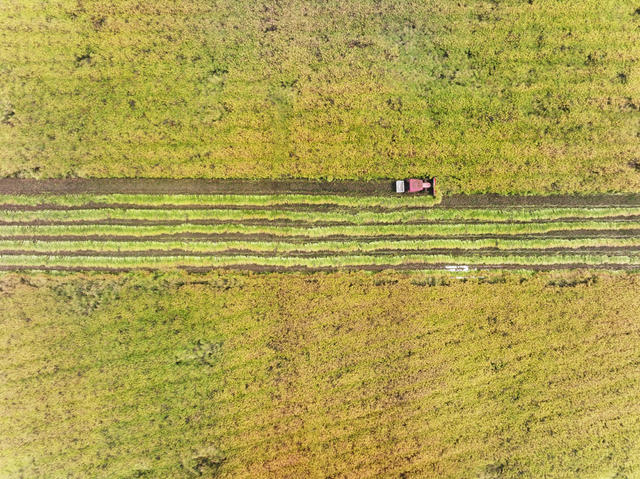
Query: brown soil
{"x": 611, "y": 250}
{"x": 301, "y": 223}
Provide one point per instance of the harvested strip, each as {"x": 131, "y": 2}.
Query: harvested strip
{"x": 350, "y": 216}
{"x": 319, "y": 232}
{"x": 194, "y": 186}
{"x": 166, "y": 218}
{"x": 245, "y": 200}
{"x": 150, "y": 186}
{"x": 437, "y": 210}
{"x": 192, "y": 206}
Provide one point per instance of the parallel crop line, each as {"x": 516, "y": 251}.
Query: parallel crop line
{"x": 327, "y": 231}
{"x": 355, "y": 217}
{"x": 318, "y": 232}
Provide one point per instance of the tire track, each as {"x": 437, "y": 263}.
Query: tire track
{"x": 380, "y": 187}
{"x": 163, "y": 237}
{"x": 320, "y": 208}
{"x": 610, "y": 250}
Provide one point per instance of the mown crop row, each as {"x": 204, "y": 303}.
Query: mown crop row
{"x": 351, "y": 217}
{"x": 217, "y": 200}
{"x": 259, "y": 231}
{"x": 319, "y": 231}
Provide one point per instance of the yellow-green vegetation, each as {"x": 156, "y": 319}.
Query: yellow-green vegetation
{"x": 86, "y": 200}
{"x": 509, "y": 97}
{"x": 324, "y": 375}
{"x": 323, "y": 231}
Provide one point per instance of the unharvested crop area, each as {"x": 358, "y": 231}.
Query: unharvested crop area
{"x": 277, "y": 232}
{"x": 319, "y": 375}
{"x": 506, "y": 97}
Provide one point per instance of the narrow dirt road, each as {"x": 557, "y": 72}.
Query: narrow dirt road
{"x": 106, "y": 186}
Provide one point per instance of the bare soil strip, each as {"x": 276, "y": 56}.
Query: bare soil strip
{"x": 167, "y": 237}
{"x": 194, "y": 186}
{"x": 14, "y": 186}
{"x": 609, "y": 250}
{"x": 570, "y": 234}
{"x": 310, "y": 224}
{"x": 280, "y": 207}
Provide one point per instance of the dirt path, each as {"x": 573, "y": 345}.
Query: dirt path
{"x": 610, "y": 250}
{"x": 11, "y": 186}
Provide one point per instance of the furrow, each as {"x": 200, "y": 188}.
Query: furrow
{"x": 303, "y": 223}
{"x": 317, "y": 269}
{"x": 323, "y": 232}
{"x": 216, "y": 237}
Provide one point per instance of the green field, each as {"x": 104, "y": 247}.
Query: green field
{"x": 509, "y": 97}
{"x": 324, "y": 375}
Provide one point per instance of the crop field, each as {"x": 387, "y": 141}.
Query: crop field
{"x": 506, "y": 96}
{"x": 343, "y": 374}
{"x": 307, "y": 232}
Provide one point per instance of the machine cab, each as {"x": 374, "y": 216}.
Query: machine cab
{"x": 414, "y": 185}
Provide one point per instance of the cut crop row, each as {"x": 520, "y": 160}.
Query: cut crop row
{"x": 610, "y": 251}
{"x": 319, "y": 232}
{"x": 355, "y": 217}
{"x": 248, "y": 200}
